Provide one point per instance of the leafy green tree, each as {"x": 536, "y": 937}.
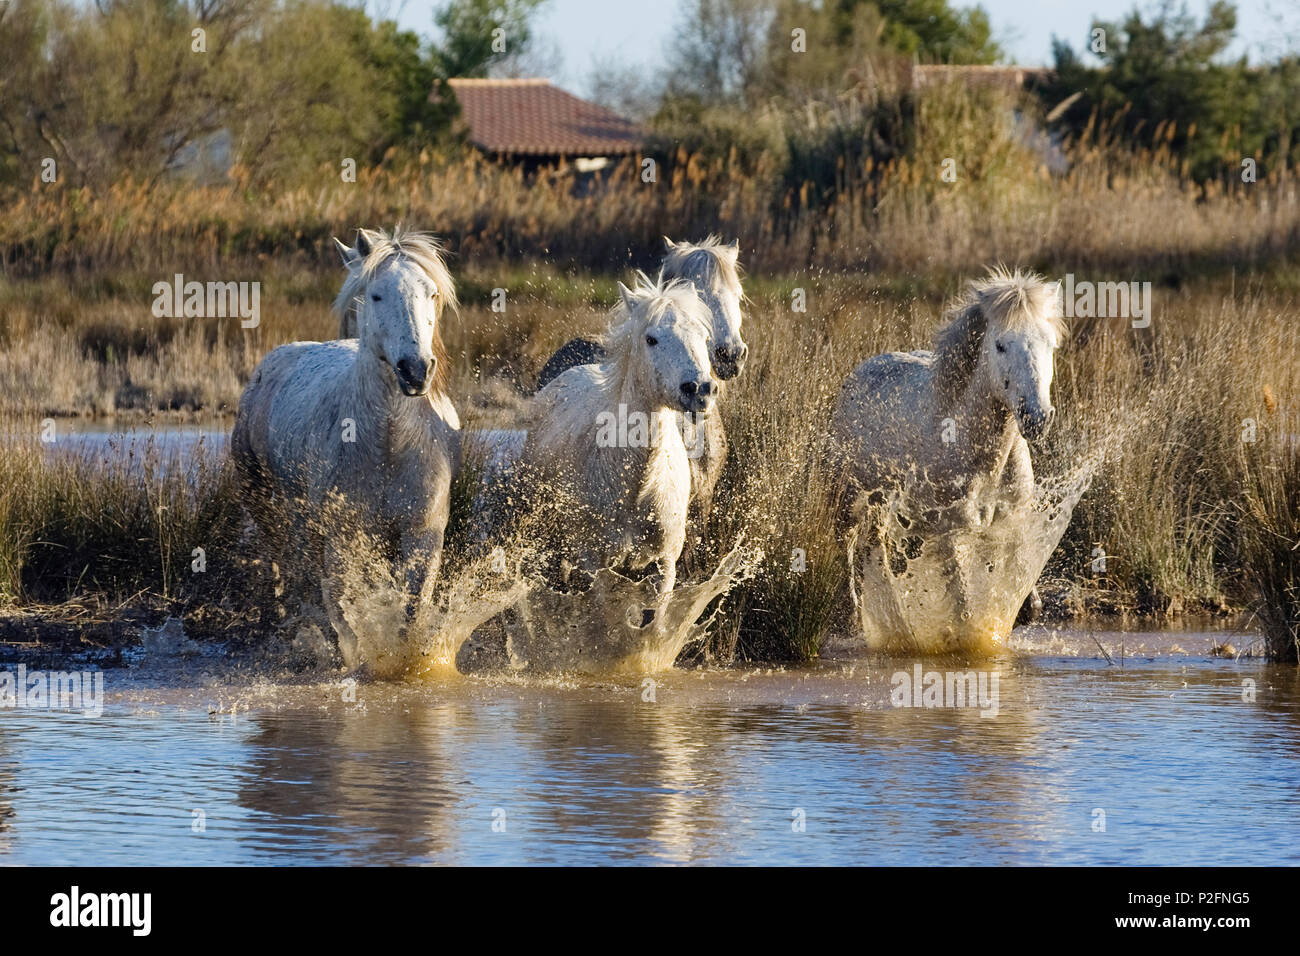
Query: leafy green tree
{"x": 281, "y": 89}
{"x": 470, "y": 39}
{"x": 741, "y": 50}
{"x": 1164, "y": 84}
{"x": 932, "y": 30}
{"x": 122, "y": 85}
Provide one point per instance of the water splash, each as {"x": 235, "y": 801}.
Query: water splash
{"x": 594, "y": 631}
{"x": 599, "y": 630}
{"x": 957, "y": 591}
{"x": 368, "y": 610}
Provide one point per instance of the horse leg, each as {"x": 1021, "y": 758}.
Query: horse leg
{"x": 422, "y": 559}
{"x": 1032, "y": 609}
{"x": 331, "y": 587}
{"x": 958, "y": 590}
{"x": 663, "y": 576}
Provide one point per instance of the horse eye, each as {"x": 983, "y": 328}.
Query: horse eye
{"x": 651, "y": 340}
{"x": 1001, "y": 347}
{"x": 376, "y": 298}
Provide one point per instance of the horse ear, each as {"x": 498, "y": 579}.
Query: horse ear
{"x": 670, "y": 244}
{"x": 733, "y": 251}
{"x": 362, "y": 245}
{"x": 346, "y": 253}
{"x": 625, "y": 294}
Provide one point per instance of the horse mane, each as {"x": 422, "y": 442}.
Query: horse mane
{"x": 1003, "y": 300}
{"x": 650, "y": 299}
{"x": 712, "y": 260}
{"x": 426, "y": 252}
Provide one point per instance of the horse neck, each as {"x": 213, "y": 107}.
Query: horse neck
{"x": 634, "y": 392}
{"x": 713, "y": 295}
{"x": 381, "y": 400}
{"x": 987, "y": 415}
{"x": 633, "y": 464}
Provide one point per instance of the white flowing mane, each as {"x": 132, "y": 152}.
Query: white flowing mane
{"x": 707, "y": 260}
{"x": 419, "y": 247}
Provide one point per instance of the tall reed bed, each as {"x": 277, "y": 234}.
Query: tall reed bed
{"x": 978, "y": 182}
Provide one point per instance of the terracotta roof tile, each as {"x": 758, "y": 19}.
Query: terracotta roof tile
{"x": 532, "y": 117}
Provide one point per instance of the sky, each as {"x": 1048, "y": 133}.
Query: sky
{"x": 579, "y": 34}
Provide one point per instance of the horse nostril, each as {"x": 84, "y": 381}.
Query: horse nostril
{"x": 411, "y": 372}
{"x": 689, "y": 388}
{"x": 1006, "y": 383}
{"x": 706, "y": 388}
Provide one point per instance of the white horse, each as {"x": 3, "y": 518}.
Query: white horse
{"x": 713, "y": 268}
{"x": 365, "y": 422}
{"x": 604, "y": 445}
{"x": 944, "y": 432}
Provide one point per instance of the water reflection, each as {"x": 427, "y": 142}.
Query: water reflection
{"x": 804, "y": 766}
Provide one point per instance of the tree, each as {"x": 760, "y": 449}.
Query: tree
{"x": 741, "y": 50}
{"x": 475, "y": 33}
{"x": 932, "y": 30}
{"x": 118, "y": 85}
{"x": 282, "y": 88}
{"x": 1163, "y": 84}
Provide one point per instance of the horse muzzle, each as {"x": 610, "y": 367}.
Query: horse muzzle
{"x": 697, "y": 397}
{"x": 1034, "y": 425}
{"x": 414, "y": 375}
{"x": 729, "y": 362}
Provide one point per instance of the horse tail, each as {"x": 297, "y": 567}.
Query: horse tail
{"x": 249, "y": 467}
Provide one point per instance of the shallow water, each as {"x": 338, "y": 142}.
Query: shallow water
{"x": 133, "y": 447}
{"x": 713, "y": 769}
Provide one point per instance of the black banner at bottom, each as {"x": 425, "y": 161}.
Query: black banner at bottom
{"x": 331, "y": 905}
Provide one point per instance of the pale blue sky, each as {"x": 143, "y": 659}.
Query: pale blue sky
{"x": 581, "y": 32}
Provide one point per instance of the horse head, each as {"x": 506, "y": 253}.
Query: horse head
{"x": 665, "y": 342}
{"x": 713, "y": 268}
{"x": 1019, "y": 348}
{"x": 398, "y": 286}
{"x": 1003, "y": 337}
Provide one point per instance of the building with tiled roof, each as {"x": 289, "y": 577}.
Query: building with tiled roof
{"x": 531, "y": 119}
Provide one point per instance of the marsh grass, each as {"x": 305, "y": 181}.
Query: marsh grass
{"x": 1106, "y": 208}
{"x": 118, "y": 526}
{"x": 1267, "y": 540}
